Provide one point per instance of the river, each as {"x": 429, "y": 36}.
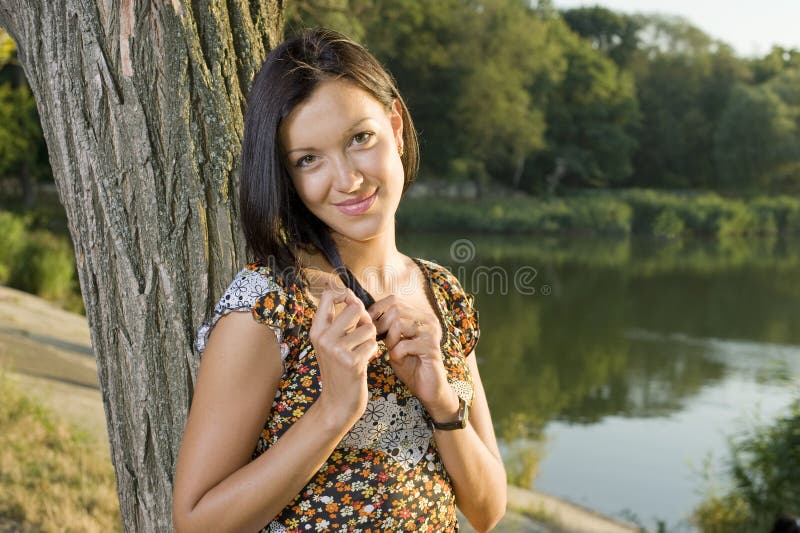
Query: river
{"x": 616, "y": 370}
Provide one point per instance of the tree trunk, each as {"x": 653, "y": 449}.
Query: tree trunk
{"x": 141, "y": 105}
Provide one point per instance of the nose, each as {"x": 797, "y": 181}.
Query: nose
{"x": 347, "y": 178}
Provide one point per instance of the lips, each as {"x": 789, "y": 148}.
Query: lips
{"x": 356, "y": 200}
{"x": 357, "y": 206}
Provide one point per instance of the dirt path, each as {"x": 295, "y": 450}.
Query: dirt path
{"x": 48, "y": 352}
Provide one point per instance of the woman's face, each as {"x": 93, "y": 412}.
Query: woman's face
{"x": 341, "y": 145}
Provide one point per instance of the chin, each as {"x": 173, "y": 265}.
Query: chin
{"x": 364, "y": 231}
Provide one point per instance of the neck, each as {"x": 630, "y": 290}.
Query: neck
{"x": 377, "y": 264}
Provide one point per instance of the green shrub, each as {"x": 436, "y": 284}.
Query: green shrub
{"x": 12, "y": 240}
{"x": 668, "y": 224}
{"x": 765, "y": 470}
{"x": 45, "y": 267}
{"x": 784, "y": 210}
{"x": 632, "y": 211}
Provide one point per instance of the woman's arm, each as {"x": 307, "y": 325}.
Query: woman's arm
{"x": 472, "y": 458}
{"x": 217, "y": 488}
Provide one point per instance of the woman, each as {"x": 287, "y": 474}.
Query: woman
{"x": 359, "y": 407}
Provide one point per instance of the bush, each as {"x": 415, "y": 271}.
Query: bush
{"x": 765, "y": 469}
{"x": 783, "y": 210}
{"x": 45, "y": 267}
{"x": 38, "y": 261}
{"x": 12, "y": 240}
{"x": 668, "y": 224}
{"x": 517, "y": 215}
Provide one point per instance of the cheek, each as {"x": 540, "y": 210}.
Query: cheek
{"x": 310, "y": 189}
{"x": 383, "y": 164}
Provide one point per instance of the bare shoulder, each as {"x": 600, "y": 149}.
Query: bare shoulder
{"x": 239, "y": 374}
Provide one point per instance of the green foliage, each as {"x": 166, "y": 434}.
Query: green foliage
{"x": 668, "y": 224}
{"x": 19, "y": 126}
{"x": 45, "y": 267}
{"x": 775, "y": 62}
{"x": 345, "y": 16}
{"x": 701, "y": 214}
{"x": 12, "y": 237}
{"x": 8, "y": 49}
{"x": 519, "y": 215}
{"x": 37, "y": 261}
{"x": 683, "y": 79}
{"x": 615, "y": 34}
{"x": 757, "y": 143}
{"x": 500, "y": 122}
{"x": 591, "y": 117}
{"x": 633, "y": 211}
{"x": 765, "y": 471}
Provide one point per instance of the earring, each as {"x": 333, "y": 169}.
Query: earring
{"x": 400, "y": 149}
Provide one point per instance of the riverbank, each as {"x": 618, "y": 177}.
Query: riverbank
{"x": 50, "y": 358}
{"x": 666, "y": 214}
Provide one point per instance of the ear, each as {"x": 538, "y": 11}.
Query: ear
{"x": 396, "y": 119}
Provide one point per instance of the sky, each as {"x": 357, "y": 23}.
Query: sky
{"x": 752, "y": 28}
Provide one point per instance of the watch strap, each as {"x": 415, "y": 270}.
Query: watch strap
{"x": 459, "y": 423}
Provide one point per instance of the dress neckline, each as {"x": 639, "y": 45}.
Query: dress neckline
{"x": 431, "y": 295}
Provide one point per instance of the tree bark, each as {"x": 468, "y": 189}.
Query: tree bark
{"x": 142, "y": 104}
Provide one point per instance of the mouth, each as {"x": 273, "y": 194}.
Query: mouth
{"x": 358, "y": 205}
{"x": 356, "y": 200}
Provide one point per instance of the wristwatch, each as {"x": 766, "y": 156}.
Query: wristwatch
{"x": 459, "y": 423}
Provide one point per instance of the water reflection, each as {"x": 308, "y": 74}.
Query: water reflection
{"x": 629, "y": 329}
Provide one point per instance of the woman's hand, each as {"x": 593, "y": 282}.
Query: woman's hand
{"x": 344, "y": 344}
{"x": 413, "y": 338}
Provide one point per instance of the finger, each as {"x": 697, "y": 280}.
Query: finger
{"x": 398, "y": 329}
{"x": 366, "y": 351}
{"x": 402, "y": 350}
{"x": 360, "y": 335}
{"x": 351, "y": 317}
{"x": 385, "y": 320}
{"x": 330, "y": 297}
{"x": 378, "y": 308}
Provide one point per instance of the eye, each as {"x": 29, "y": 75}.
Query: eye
{"x": 362, "y": 137}
{"x": 304, "y": 161}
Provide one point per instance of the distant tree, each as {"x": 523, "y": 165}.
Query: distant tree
{"x": 501, "y": 123}
{"x": 592, "y": 117}
{"x": 345, "y": 16}
{"x": 757, "y": 142}
{"x": 615, "y": 34}
{"x": 23, "y": 156}
{"x": 683, "y": 80}
{"x": 19, "y": 135}
{"x": 776, "y": 61}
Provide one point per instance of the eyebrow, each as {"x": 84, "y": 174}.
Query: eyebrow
{"x": 311, "y": 148}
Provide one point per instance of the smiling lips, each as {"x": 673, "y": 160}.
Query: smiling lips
{"x": 357, "y": 206}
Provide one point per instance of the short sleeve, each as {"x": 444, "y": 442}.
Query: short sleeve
{"x": 254, "y": 290}
{"x": 464, "y": 315}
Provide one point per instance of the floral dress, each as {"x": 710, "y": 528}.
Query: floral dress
{"x": 386, "y": 473}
